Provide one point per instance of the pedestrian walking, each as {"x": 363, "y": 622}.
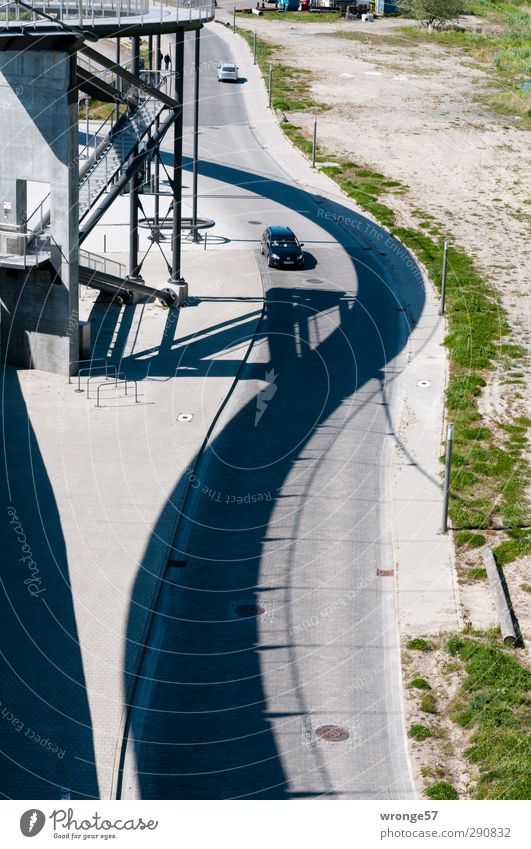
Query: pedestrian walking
{"x": 160, "y": 58}
{"x": 167, "y": 61}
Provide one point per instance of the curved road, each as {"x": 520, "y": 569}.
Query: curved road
{"x": 280, "y": 627}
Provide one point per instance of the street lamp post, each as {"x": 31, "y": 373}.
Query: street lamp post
{"x": 270, "y": 84}
{"x": 314, "y": 142}
{"x": 447, "y": 475}
{"x": 195, "y": 235}
{"x": 443, "y": 282}
{"x": 176, "y": 278}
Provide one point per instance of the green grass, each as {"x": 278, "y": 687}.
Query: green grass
{"x": 420, "y": 732}
{"x": 428, "y": 703}
{"x": 419, "y": 644}
{"x": 298, "y": 17}
{"x": 419, "y": 684}
{"x": 470, "y": 539}
{"x": 511, "y": 549}
{"x": 441, "y": 790}
{"x": 493, "y": 702}
{"x": 98, "y": 110}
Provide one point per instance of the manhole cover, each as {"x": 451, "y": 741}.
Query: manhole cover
{"x": 313, "y": 280}
{"x": 254, "y": 222}
{"x": 332, "y": 733}
{"x": 423, "y": 383}
{"x": 245, "y": 611}
{"x": 185, "y": 417}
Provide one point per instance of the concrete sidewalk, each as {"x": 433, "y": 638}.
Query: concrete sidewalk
{"x": 97, "y": 493}
{"x": 428, "y": 597}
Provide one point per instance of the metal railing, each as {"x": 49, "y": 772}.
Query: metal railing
{"x": 93, "y": 11}
{"x": 25, "y": 248}
{"x": 102, "y": 264}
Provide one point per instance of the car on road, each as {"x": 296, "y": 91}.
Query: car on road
{"x": 282, "y": 248}
{"x": 227, "y": 72}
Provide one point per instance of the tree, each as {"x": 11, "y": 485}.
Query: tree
{"x": 432, "y": 13}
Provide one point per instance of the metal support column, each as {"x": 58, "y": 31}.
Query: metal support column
{"x": 134, "y": 184}
{"x": 176, "y": 278}
{"x": 195, "y": 234}
{"x": 158, "y": 64}
{"x": 119, "y": 82}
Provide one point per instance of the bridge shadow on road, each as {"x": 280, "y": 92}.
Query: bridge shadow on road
{"x": 234, "y": 693}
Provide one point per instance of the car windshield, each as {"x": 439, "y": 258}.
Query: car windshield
{"x": 287, "y": 242}
{"x": 228, "y": 68}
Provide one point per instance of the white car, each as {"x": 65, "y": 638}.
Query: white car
{"x": 227, "y": 72}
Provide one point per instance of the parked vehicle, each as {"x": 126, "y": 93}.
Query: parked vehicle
{"x": 282, "y": 248}
{"x": 288, "y": 5}
{"x": 227, "y": 72}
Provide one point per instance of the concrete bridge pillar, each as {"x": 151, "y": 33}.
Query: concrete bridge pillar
{"x": 39, "y": 144}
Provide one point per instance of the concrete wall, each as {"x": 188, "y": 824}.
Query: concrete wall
{"x": 39, "y": 141}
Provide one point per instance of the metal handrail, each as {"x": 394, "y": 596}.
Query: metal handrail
{"x": 96, "y": 262}
{"x": 95, "y": 10}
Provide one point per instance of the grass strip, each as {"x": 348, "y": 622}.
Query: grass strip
{"x": 493, "y": 701}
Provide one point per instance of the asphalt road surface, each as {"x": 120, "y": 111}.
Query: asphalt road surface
{"x": 278, "y": 674}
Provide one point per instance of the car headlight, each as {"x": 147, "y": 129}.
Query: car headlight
{"x": 275, "y": 256}
{"x": 300, "y": 256}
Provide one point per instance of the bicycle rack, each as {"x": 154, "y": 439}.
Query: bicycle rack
{"x": 115, "y": 375}
{"x": 118, "y": 380}
{"x": 89, "y": 360}
{"x": 107, "y": 366}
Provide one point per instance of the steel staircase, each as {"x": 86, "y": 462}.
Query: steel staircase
{"x": 112, "y": 155}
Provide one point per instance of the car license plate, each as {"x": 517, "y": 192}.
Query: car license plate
{"x": 288, "y": 262}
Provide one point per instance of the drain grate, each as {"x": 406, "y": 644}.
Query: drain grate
{"x": 245, "y": 611}
{"x": 254, "y": 222}
{"x": 332, "y": 733}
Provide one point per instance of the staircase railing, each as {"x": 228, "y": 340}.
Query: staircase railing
{"x": 103, "y": 264}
